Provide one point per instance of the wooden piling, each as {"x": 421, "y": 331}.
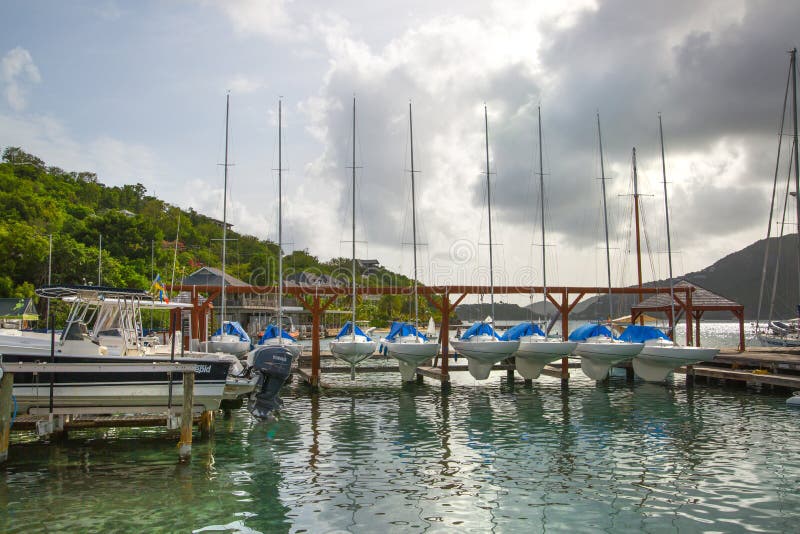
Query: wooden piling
{"x": 6, "y": 408}
{"x": 185, "y": 444}
{"x": 206, "y": 424}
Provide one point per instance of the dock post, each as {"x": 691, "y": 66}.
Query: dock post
{"x": 316, "y": 310}
{"x": 629, "y": 373}
{"x": 689, "y": 376}
{"x": 6, "y": 407}
{"x": 510, "y": 376}
{"x": 444, "y": 337}
{"x": 206, "y": 424}
{"x": 528, "y": 383}
{"x": 185, "y": 444}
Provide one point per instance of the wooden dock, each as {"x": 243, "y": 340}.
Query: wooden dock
{"x": 771, "y": 366}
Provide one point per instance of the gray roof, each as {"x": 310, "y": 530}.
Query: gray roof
{"x": 211, "y": 276}
{"x": 702, "y": 299}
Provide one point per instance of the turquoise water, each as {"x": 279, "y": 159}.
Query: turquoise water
{"x": 375, "y": 456}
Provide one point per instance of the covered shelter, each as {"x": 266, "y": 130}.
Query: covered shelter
{"x": 17, "y": 312}
{"x": 691, "y": 304}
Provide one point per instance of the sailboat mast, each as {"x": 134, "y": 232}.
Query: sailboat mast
{"x": 636, "y": 219}
{"x": 605, "y": 216}
{"x": 413, "y": 219}
{"x": 280, "y": 230}
{"x": 794, "y": 138}
{"x": 669, "y": 241}
{"x": 354, "y": 220}
{"x": 489, "y": 203}
{"x": 224, "y": 217}
{"x": 541, "y": 200}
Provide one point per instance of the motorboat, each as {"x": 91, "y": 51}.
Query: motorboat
{"x": 536, "y": 349}
{"x": 483, "y": 348}
{"x": 352, "y": 345}
{"x": 661, "y": 355}
{"x": 231, "y": 338}
{"x": 410, "y": 347}
{"x": 126, "y": 391}
{"x": 599, "y": 350}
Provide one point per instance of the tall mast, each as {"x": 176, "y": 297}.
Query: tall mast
{"x": 280, "y": 232}
{"x": 605, "y": 216}
{"x": 413, "y": 218}
{"x": 353, "y": 329}
{"x": 636, "y": 219}
{"x": 489, "y": 203}
{"x": 224, "y": 216}
{"x": 669, "y": 241}
{"x": 794, "y": 138}
{"x": 541, "y": 199}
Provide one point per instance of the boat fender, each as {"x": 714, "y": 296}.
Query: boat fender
{"x": 272, "y": 365}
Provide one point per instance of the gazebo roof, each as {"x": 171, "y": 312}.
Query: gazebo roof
{"x": 702, "y": 300}
{"x": 211, "y": 276}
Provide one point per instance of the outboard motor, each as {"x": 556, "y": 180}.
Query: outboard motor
{"x": 272, "y": 365}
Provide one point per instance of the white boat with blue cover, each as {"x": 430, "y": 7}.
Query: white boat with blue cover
{"x": 352, "y": 345}
{"x": 274, "y": 337}
{"x": 535, "y": 349}
{"x": 230, "y": 339}
{"x": 483, "y": 348}
{"x": 599, "y": 350}
{"x": 660, "y": 354}
{"x": 410, "y": 347}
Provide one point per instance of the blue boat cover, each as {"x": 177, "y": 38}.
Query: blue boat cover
{"x": 272, "y": 332}
{"x": 233, "y": 328}
{"x": 639, "y": 333}
{"x": 347, "y": 331}
{"x": 400, "y": 329}
{"x": 479, "y": 328}
{"x": 582, "y": 333}
{"x": 522, "y": 329}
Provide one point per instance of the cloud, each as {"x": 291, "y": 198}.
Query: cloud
{"x": 263, "y": 17}
{"x": 242, "y": 84}
{"x": 18, "y": 72}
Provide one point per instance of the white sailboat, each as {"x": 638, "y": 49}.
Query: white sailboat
{"x": 597, "y": 347}
{"x": 404, "y": 342}
{"x": 351, "y": 344}
{"x": 480, "y": 344}
{"x": 660, "y": 354}
{"x": 535, "y": 349}
{"x": 275, "y": 334}
{"x": 230, "y": 338}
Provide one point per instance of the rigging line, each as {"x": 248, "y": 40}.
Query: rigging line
{"x": 780, "y": 241}
{"x": 772, "y": 199}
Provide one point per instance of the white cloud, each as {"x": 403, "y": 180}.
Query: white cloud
{"x": 242, "y": 84}
{"x": 264, "y": 17}
{"x": 18, "y": 71}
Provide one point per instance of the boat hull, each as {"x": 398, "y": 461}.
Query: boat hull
{"x": 483, "y": 354}
{"x": 292, "y": 346}
{"x": 598, "y": 356}
{"x": 410, "y": 355}
{"x": 109, "y": 390}
{"x": 655, "y": 362}
{"x": 533, "y": 355}
{"x": 236, "y": 348}
{"x": 353, "y": 352}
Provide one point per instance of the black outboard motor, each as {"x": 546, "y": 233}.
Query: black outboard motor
{"x": 272, "y": 364}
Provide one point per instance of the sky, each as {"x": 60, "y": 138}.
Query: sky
{"x": 135, "y": 91}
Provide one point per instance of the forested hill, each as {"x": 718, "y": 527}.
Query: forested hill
{"x": 38, "y": 201}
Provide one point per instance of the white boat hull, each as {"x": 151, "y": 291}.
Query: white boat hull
{"x": 353, "y": 351}
{"x": 236, "y": 348}
{"x": 410, "y": 354}
{"x": 482, "y": 352}
{"x": 598, "y": 355}
{"x": 656, "y": 361}
{"x": 535, "y": 352}
{"x": 292, "y": 346}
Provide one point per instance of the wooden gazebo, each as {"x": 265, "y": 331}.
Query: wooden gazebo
{"x": 692, "y": 305}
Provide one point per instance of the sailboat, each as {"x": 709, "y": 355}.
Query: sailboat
{"x": 351, "y": 344}
{"x": 230, "y": 337}
{"x": 480, "y": 344}
{"x": 405, "y": 342}
{"x": 597, "y": 347}
{"x": 660, "y": 354}
{"x": 535, "y": 349}
{"x": 275, "y": 334}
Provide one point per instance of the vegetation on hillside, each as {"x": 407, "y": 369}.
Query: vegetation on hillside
{"x": 138, "y": 239}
